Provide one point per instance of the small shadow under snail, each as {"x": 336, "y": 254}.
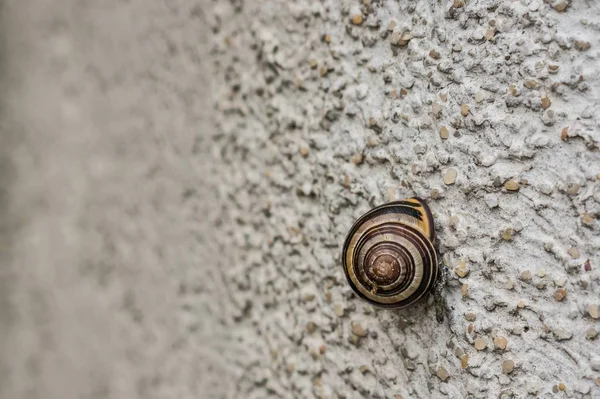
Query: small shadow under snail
{"x": 389, "y": 256}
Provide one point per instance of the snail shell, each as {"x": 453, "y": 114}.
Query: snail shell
{"x": 389, "y": 257}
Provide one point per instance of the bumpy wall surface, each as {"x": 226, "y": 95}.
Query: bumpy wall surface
{"x": 179, "y": 176}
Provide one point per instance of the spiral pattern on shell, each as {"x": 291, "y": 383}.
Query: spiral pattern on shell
{"x": 389, "y": 258}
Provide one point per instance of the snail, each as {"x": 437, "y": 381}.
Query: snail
{"x": 389, "y": 256}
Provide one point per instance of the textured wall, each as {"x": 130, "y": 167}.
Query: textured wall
{"x": 185, "y": 173}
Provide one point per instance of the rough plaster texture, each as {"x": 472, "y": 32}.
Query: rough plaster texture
{"x": 178, "y": 178}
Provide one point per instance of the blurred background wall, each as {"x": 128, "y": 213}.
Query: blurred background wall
{"x": 177, "y": 178}
{"x": 104, "y": 109}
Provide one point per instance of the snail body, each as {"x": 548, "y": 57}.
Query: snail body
{"x": 389, "y": 256}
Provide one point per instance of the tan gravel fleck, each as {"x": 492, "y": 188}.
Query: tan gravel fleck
{"x": 587, "y": 219}
{"x": 573, "y": 188}
{"x": 434, "y": 54}
{"x": 358, "y": 330}
{"x": 489, "y": 34}
{"x": 480, "y": 343}
{"x": 561, "y": 334}
{"x": 436, "y": 109}
{"x": 560, "y": 281}
{"x": 574, "y": 252}
{"x": 304, "y": 151}
{"x": 517, "y": 330}
{"x": 442, "y": 374}
{"x": 500, "y": 342}
{"x": 546, "y": 102}
{"x": 509, "y": 284}
{"x": 464, "y": 361}
{"x": 444, "y": 132}
{"x": 591, "y": 333}
{"x": 470, "y": 316}
{"x": 373, "y": 141}
{"x": 461, "y": 270}
{"x": 311, "y": 327}
{"x": 553, "y": 68}
{"x": 464, "y": 110}
{"x": 391, "y": 194}
{"x": 453, "y": 222}
{"x": 562, "y": 386}
{"x": 582, "y": 45}
{"x": 507, "y": 234}
{"x": 521, "y": 304}
{"x": 323, "y": 71}
{"x": 402, "y": 39}
{"x": 526, "y": 275}
{"x": 560, "y": 294}
{"x": 541, "y": 273}
{"x": 508, "y": 366}
{"x": 405, "y": 38}
{"x": 561, "y": 6}
{"x": 564, "y": 134}
{"x": 308, "y": 297}
{"x": 531, "y": 84}
{"x": 357, "y": 19}
{"x": 512, "y": 185}
{"x": 450, "y": 176}
{"x": 391, "y": 25}
{"x": 357, "y": 158}
{"x": 464, "y": 290}
{"x": 593, "y": 311}
{"x": 346, "y": 182}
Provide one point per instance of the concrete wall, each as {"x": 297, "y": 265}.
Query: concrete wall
{"x": 178, "y": 178}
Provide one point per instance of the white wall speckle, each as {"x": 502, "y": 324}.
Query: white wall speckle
{"x": 212, "y": 156}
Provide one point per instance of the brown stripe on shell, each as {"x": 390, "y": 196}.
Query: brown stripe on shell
{"x": 405, "y": 209}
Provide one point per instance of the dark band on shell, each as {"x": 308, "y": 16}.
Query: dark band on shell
{"x": 389, "y": 257}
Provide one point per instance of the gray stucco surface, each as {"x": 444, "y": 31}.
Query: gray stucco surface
{"x": 178, "y": 179}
